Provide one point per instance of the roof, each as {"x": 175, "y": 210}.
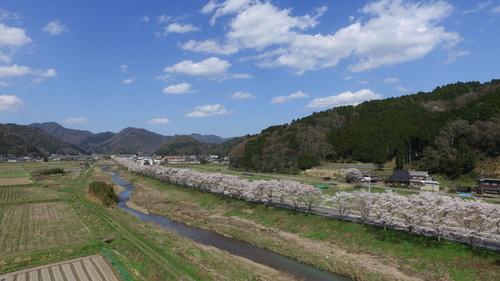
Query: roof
{"x": 419, "y": 173}
{"x": 489, "y": 179}
{"x": 399, "y": 176}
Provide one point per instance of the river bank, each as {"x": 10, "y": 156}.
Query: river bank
{"x": 373, "y": 254}
{"x": 232, "y": 218}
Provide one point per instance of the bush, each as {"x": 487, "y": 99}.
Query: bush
{"x": 103, "y": 192}
{"x": 50, "y": 171}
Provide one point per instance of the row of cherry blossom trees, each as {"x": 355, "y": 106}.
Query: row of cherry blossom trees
{"x": 426, "y": 212}
{"x": 270, "y": 192}
{"x": 437, "y": 213}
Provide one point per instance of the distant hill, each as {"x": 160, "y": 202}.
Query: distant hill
{"x": 210, "y": 139}
{"x": 13, "y": 144}
{"x": 445, "y": 131}
{"x": 85, "y": 140}
{"x": 131, "y": 140}
{"x": 75, "y": 137}
{"x": 25, "y": 140}
{"x": 183, "y": 145}
{"x": 188, "y": 145}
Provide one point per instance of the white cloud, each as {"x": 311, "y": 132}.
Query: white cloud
{"x": 345, "y": 98}
{"x": 241, "y": 96}
{"x": 49, "y": 73}
{"x": 479, "y": 7}
{"x": 403, "y": 90}
{"x": 158, "y": 121}
{"x": 456, "y": 54}
{"x": 146, "y": 19}
{"x": 182, "y": 88}
{"x": 180, "y": 28}
{"x": 391, "y": 80}
{"x": 75, "y": 120}
{"x": 221, "y": 8}
{"x": 6, "y": 15}
{"x": 289, "y": 98}
{"x": 4, "y": 84}
{"x": 13, "y": 36}
{"x": 14, "y": 71}
{"x": 54, "y": 28}
{"x": 124, "y": 68}
{"x": 163, "y": 18}
{"x": 389, "y": 32}
{"x": 262, "y": 25}
{"x": 496, "y": 10}
{"x": 208, "y": 110}
{"x": 10, "y": 103}
{"x": 209, "y": 46}
{"x": 235, "y": 76}
{"x": 212, "y": 67}
{"x": 129, "y": 80}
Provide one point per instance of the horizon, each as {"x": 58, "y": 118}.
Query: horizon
{"x": 208, "y": 69}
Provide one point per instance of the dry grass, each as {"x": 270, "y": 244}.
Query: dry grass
{"x": 14, "y": 181}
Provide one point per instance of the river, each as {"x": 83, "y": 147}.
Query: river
{"x": 233, "y": 246}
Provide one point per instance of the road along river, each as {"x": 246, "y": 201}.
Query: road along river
{"x": 233, "y": 246}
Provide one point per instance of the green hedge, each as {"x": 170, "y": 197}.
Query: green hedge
{"x": 50, "y": 171}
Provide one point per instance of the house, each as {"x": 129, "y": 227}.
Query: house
{"x": 423, "y": 181}
{"x": 417, "y": 176}
{"x": 488, "y": 185}
{"x": 401, "y": 177}
{"x": 175, "y": 159}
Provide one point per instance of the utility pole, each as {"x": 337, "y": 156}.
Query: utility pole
{"x": 409, "y": 154}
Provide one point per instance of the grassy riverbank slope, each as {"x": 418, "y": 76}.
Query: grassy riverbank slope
{"x": 362, "y": 252}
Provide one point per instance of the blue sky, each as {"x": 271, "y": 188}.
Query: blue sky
{"x": 230, "y": 67}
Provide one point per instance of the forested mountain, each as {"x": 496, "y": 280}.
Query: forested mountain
{"x": 183, "y": 145}
{"x": 187, "y": 145}
{"x": 451, "y": 127}
{"x": 48, "y": 138}
{"x": 210, "y": 139}
{"x": 131, "y": 140}
{"x": 26, "y": 140}
{"x": 85, "y": 140}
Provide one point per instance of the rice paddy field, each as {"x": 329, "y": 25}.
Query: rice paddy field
{"x": 25, "y": 194}
{"x": 13, "y": 174}
{"x": 36, "y": 226}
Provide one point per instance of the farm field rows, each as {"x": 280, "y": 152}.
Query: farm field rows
{"x": 13, "y": 174}
{"x": 67, "y": 166}
{"x": 92, "y": 268}
{"x": 38, "y": 226}
{"x": 21, "y": 194}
